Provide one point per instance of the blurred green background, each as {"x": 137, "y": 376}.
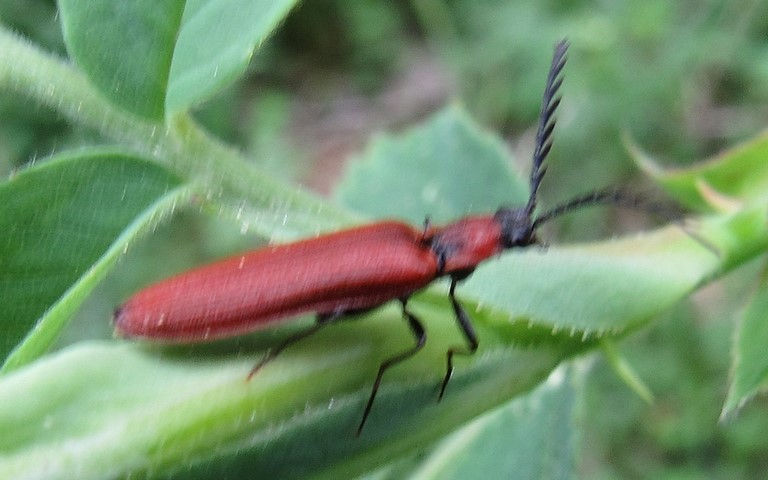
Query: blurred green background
{"x": 683, "y": 80}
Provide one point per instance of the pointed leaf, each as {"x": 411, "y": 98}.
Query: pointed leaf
{"x": 612, "y": 286}
{"x": 740, "y": 173}
{"x": 215, "y": 44}
{"x": 750, "y": 363}
{"x": 64, "y": 224}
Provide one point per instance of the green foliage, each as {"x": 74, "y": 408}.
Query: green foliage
{"x": 136, "y": 79}
{"x": 66, "y": 223}
{"x": 681, "y": 79}
{"x": 750, "y": 373}
{"x": 442, "y": 183}
{"x": 106, "y": 408}
{"x": 537, "y": 432}
{"x": 200, "y": 69}
{"x": 708, "y": 186}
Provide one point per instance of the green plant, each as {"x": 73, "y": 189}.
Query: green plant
{"x": 111, "y": 408}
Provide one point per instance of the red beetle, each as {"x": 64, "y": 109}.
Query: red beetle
{"x": 345, "y": 272}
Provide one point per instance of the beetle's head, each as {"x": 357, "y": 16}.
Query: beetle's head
{"x": 517, "y": 227}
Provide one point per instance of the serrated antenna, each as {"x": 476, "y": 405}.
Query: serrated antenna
{"x": 547, "y": 121}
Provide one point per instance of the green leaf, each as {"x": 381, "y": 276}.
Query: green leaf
{"x": 189, "y": 409}
{"x": 444, "y": 168}
{"x": 625, "y": 372}
{"x": 125, "y": 48}
{"x": 64, "y": 224}
{"x": 531, "y": 437}
{"x": 182, "y": 409}
{"x": 739, "y": 174}
{"x": 155, "y": 58}
{"x": 114, "y": 409}
{"x": 750, "y": 363}
{"x": 215, "y": 44}
{"x": 613, "y": 286}
{"x": 447, "y": 165}
{"x": 257, "y": 200}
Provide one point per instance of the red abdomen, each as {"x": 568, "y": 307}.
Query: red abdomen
{"x": 349, "y": 270}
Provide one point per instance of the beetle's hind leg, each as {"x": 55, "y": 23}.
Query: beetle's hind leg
{"x": 421, "y": 338}
{"x": 323, "y": 320}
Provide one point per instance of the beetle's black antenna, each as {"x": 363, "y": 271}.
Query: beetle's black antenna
{"x": 608, "y": 196}
{"x": 549, "y": 104}
{"x": 611, "y": 196}
{"x": 620, "y": 198}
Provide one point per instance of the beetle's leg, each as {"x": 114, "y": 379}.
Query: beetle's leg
{"x": 323, "y": 320}
{"x": 421, "y": 337}
{"x": 469, "y": 333}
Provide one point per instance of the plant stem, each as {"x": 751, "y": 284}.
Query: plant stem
{"x": 220, "y": 172}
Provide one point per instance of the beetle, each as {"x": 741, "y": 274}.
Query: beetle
{"x": 346, "y": 272}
